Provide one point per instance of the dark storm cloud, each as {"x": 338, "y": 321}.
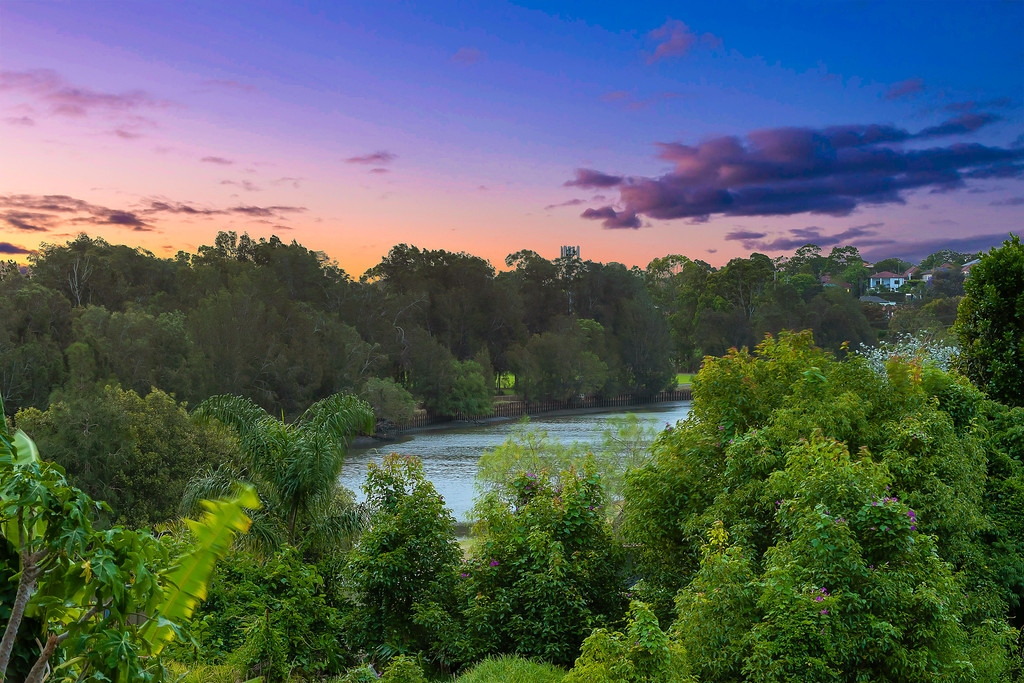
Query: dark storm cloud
{"x": 785, "y": 171}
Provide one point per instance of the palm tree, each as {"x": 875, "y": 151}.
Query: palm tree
{"x": 294, "y": 468}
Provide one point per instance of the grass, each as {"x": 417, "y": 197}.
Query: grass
{"x": 684, "y": 378}
{"x": 508, "y": 669}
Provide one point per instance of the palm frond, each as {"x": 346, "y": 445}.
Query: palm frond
{"x": 335, "y": 520}
{"x": 340, "y": 416}
{"x": 266, "y": 535}
{"x": 210, "y": 485}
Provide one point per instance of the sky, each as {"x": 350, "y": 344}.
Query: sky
{"x": 633, "y": 130}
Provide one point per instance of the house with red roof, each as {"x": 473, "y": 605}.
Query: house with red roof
{"x": 887, "y": 280}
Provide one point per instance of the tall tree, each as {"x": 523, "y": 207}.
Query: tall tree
{"x": 990, "y": 323}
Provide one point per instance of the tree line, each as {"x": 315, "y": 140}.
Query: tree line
{"x": 285, "y": 326}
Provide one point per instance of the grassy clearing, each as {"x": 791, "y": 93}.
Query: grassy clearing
{"x": 683, "y": 378}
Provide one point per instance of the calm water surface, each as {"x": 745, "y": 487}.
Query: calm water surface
{"x": 450, "y": 456}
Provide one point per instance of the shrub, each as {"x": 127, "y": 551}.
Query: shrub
{"x": 546, "y": 570}
{"x": 511, "y": 669}
{"x": 401, "y": 573}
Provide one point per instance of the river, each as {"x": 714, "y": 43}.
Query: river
{"x": 450, "y": 455}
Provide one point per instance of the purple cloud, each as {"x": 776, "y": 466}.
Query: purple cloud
{"x": 221, "y": 161}
{"x": 675, "y": 39}
{"x": 911, "y": 86}
{"x": 570, "y": 202}
{"x": 786, "y": 171}
{"x": 127, "y": 219}
{"x": 20, "y": 121}
{"x": 8, "y": 248}
{"x": 228, "y": 84}
{"x": 468, "y": 55}
{"x": 244, "y": 184}
{"x": 586, "y": 177}
{"x": 798, "y": 237}
{"x": 265, "y": 211}
{"x": 160, "y": 206}
{"x": 1012, "y": 201}
{"x": 745, "y": 235}
{"x": 632, "y": 102}
{"x": 959, "y": 125}
{"x": 916, "y": 251}
{"x": 379, "y": 171}
{"x": 64, "y": 99}
{"x": 68, "y": 209}
{"x": 616, "y": 96}
{"x": 613, "y": 219}
{"x": 38, "y": 213}
{"x": 28, "y": 221}
{"x": 967, "y": 106}
{"x": 375, "y": 158}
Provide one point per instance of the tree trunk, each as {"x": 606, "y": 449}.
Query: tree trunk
{"x": 26, "y": 587}
{"x": 39, "y": 668}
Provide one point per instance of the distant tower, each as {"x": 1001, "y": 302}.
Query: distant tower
{"x": 570, "y": 252}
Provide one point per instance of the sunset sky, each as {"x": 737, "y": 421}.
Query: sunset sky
{"x": 632, "y": 129}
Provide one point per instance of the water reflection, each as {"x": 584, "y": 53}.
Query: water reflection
{"x": 450, "y": 456}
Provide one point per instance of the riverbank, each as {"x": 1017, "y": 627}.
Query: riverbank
{"x": 365, "y": 442}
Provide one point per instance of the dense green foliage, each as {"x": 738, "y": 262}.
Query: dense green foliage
{"x": 820, "y": 516}
{"x": 856, "y": 521}
{"x": 990, "y": 323}
{"x": 400, "y": 579}
{"x": 134, "y": 453}
{"x": 102, "y": 604}
{"x": 546, "y": 569}
{"x": 267, "y": 617}
{"x": 642, "y": 653}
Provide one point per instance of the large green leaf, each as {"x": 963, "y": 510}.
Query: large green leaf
{"x": 213, "y": 535}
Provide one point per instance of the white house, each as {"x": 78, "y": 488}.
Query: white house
{"x": 887, "y": 280}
